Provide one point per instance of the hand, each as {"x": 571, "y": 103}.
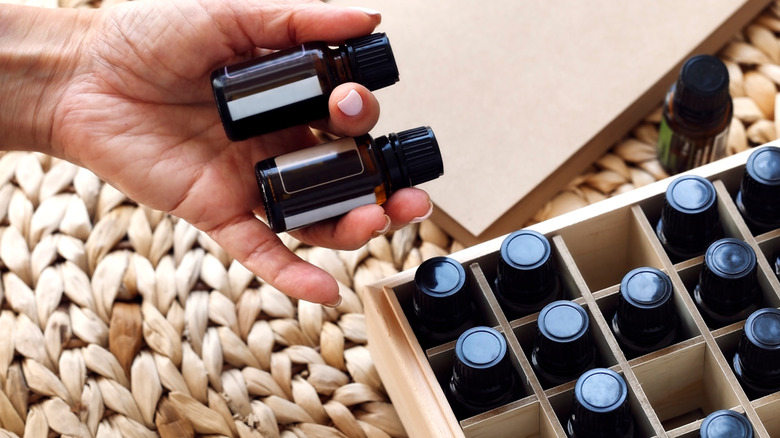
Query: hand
{"x": 128, "y": 96}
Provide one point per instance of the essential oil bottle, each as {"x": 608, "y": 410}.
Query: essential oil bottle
{"x": 696, "y": 116}
{"x": 441, "y": 304}
{"x": 563, "y": 347}
{"x": 758, "y": 198}
{"x": 757, "y": 361}
{"x": 690, "y": 220}
{"x": 646, "y": 318}
{"x": 292, "y": 86}
{"x": 726, "y": 424}
{"x": 482, "y": 374}
{"x": 601, "y": 406}
{"x": 526, "y": 277}
{"x": 728, "y": 289}
{"x": 328, "y": 180}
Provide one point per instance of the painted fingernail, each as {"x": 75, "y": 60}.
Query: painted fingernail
{"x": 425, "y": 216}
{"x": 333, "y": 304}
{"x": 352, "y": 104}
{"x": 384, "y": 229}
{"x": 367, "y": 11}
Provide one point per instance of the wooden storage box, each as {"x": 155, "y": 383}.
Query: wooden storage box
{"x": 671, "y": 390}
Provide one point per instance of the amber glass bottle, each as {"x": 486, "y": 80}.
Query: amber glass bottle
{"x": 482, "y": 375}
{"x": 758, "y": 198}
{"x": 757, "y": 360}
{"x": 696, "y": 116}
{"x": 601, "y": 406}
{"x": 442, "y": 307}
{"x": 330, "y": 179}
{"x": 292, "y": 86}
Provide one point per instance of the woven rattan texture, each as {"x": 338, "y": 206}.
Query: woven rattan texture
{"x": 122, "y": 321}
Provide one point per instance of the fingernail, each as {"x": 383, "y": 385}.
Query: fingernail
{"x": 385, "y": 229}
{"x": 352, "y": 104}
{"x": 367, "y": 11}
{"x": 425, "y": 216}
{"x": 333, "y": 304}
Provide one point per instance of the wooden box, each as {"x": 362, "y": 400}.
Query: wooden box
{"x": 671, "y": 390}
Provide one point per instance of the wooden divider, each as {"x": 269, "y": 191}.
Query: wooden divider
{"x": 671, "y": 390}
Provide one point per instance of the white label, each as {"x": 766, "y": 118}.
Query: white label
{"x": 329, "y": 211}
{"x": 276, "y": 97}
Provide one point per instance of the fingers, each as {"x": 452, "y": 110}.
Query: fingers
{"x": 353, "y": 111}
{"x": 257, "y": 248}
{"x": 275, "y": 26}
{"x": 357, "y": 227}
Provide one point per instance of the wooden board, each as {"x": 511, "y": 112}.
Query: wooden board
{"x": 671, "y": 390}
{"x": 524, "y": 95}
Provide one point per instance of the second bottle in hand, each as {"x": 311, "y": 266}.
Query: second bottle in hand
{"x": 292, "y": 86}
{"x": 328, "y": 180}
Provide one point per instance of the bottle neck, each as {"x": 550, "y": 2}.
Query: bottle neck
{"x": 390, "y": 159}
{"x": 342, "y": 68}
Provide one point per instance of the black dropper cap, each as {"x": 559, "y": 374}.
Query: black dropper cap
{"x": 689, "y": 220}
{"x": 412, "y": 157}
{"x": 759, "y": 196}
{"x": 726, "y": 424}
{"x": 482, "y": 375}
{"x": 601, "y": 407}
{"x": 439, "y": 297}
{"x": 646, "y": 317}
{"x": 526, "y": 275}
{"x": 728, "y": 281}
{"x": 701, "y": 94}
{"x": 372, "y": 60}
{"x": 757, "y": 361}
{"x": 563, "y": 346}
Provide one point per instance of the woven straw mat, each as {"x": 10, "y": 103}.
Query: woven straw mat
{"x": 118, "y": 320}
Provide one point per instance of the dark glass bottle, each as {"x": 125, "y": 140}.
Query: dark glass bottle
{"x": 757, "y": 360}
{"x": 776, "y": 264}
{"x": 726, "y": 424}
{"x": 442, "y": 306}
{"x": 696, "y": 116}
{"x": 690, "y": 221}
{"x": 563, "y": 347}
{"x": 330, "y": 179}
{"x": 758, "y": 198}
{"x": 482, "y": 375}
{"x": 728, "y": 290}
{"x": 646, "y": 318}
{"x": 292, "y": 86}
{"x": 601, "y": 407}
{"x": 526, "y": 277}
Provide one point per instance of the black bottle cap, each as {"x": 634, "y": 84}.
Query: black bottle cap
{"x": 439, "y": 296}
{"x": 563, "y": 346}
{"x": 645, "y": 310}
{"x": 727, "y": 281}
{"x": 725, "y": 424}
{"x": 759, "y": 347}
{"x": 482, "y": 371}
{"x": 690, "y": 218}
{"x": 601, "y": 406}
{"x": 701, "y": 93}
{"x": 760, "y": 187}
{"x": 373, "y": 61}
{"x": 526, "y": 273}
{"x": 417, "y": 155}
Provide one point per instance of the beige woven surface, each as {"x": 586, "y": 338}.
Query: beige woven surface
{"x": 122, "y": 321}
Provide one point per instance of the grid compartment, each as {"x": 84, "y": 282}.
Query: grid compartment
{"x": 671, "y": 389}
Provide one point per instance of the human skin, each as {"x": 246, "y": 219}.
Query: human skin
{"x": 124, "y": 91}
